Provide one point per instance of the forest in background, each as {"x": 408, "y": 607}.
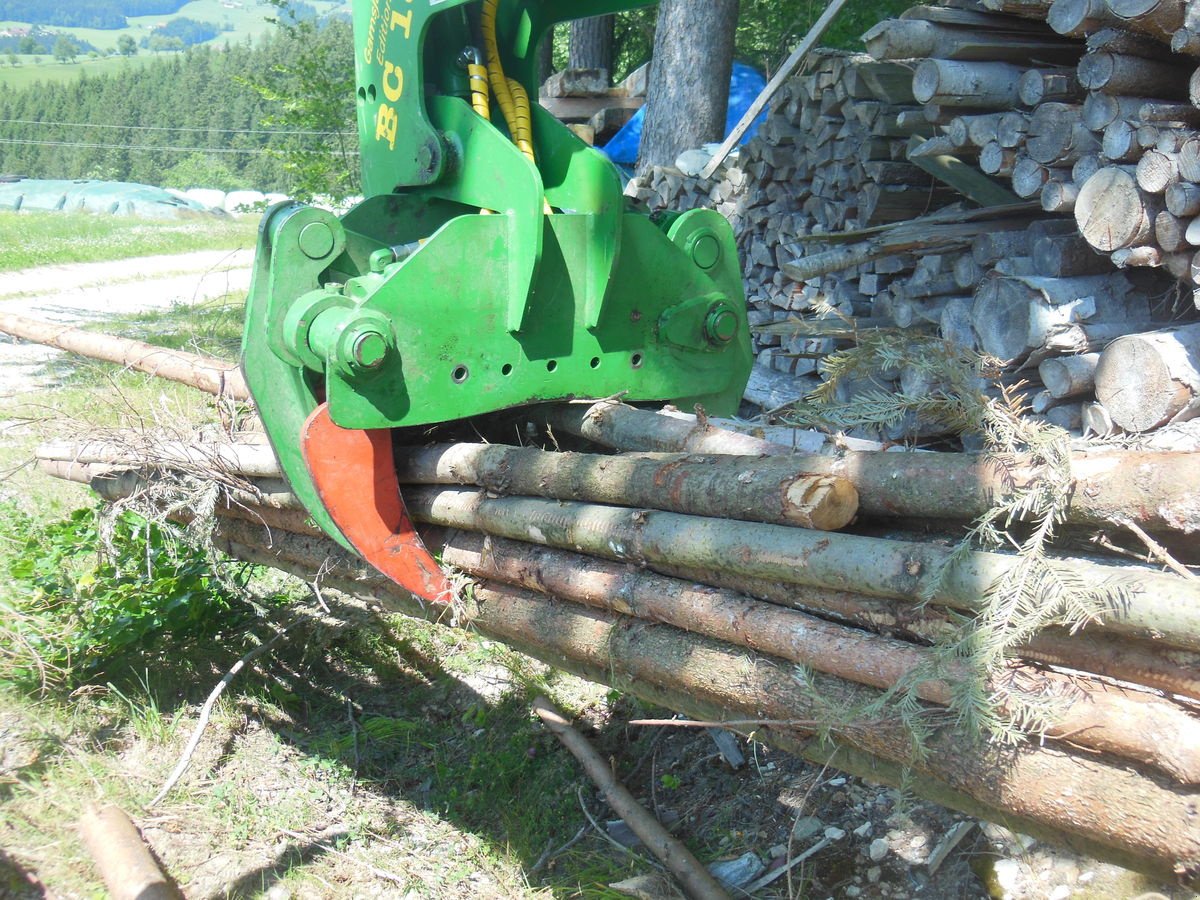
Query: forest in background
{"x": 278, "y": 115}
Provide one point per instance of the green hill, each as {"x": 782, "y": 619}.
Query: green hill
{"x": 108, "y": 21}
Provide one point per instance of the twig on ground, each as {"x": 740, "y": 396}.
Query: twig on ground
{"x": 792, "y": 863}
{"x": 1158, "y": 550}
{"x": 206, "y": 713}
{"x": 601, "y": 831}
{"x": 551, "y": 853}
{"x": 695, "y": 879}
{"x": 733, "y": 723}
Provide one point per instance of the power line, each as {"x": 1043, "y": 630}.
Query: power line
{"x": 79, "y": 145}
{"x": 168, "y": 128}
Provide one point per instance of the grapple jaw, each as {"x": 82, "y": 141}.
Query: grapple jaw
{"x": 485, "y": 282}
{"x": 355, "y": 479}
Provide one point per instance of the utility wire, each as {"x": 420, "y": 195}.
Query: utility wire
{"x": 79, "y": 145}
{"x": 165, "y": 128}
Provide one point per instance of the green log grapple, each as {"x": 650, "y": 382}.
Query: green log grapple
{"x": 494, "y": 263}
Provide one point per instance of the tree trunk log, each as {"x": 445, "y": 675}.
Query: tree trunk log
{"x": 1183, "y": 199}
{"x": 886, "y": 569}
{"x": 1066, "y": 256}
{"x": 687, "y": 103}
{"x": 1123, "y": 658}
{"x": 730, "y": 487}
{"x": 125, "y": 863}
{"x": 1158, "y": 18}
{"x": 591, "y": 44}
{"x": 1096, "y": 807}
{"x": 1038, "y": 86}
{"x": 1057, "y": 135}
{"x": 981, "y": 85}
{"x": 1156, "y": 171}
{"x": 1070, "y": 376}
{"x": 1079, "y": 18}
{"x": 213, "y": 376}
{"x": 920, "y": 485}
{"x": 1132, "y": 76}
{"x": 1112, "y": 212}
{"x": 1147, "y": 380}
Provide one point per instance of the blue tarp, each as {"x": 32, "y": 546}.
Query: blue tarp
{"x": 107, "y": 197}
{"x": 744, "y": 87}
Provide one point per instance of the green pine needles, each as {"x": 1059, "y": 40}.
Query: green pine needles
{"x": 967, "y": 398}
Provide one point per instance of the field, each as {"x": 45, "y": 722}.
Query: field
{"x": 33, "y": 239}
{"x": 247, "y": 20}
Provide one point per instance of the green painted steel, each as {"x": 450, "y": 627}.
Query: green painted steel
{"x": 450, "y": 291}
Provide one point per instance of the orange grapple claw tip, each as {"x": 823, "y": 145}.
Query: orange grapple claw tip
{"x": 355, "y": 477}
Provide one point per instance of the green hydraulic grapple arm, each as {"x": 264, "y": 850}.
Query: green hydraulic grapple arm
{"x": 493, "y": 263}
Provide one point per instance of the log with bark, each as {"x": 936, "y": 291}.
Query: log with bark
{"x": 561, "y": 635}
{"x": 1141, "y": 821}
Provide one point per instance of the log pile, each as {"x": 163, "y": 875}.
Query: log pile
{"x": 583, "y": 100}
{"x": 1085, "y": 109}
{"x": 619, "y": 567}
{"x": 693, "y": 567}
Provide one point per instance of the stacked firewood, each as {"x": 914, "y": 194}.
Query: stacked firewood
{"x": 1079, "y": 108}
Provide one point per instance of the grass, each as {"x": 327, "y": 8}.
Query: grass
{"x": 39, "y": 239}
{"x": 357, "y": 759}
{"x": 249, "y": 21}
{"x": 46, "y": 69}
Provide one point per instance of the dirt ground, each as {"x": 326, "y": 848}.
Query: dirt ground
{"x": 275, "y": 806}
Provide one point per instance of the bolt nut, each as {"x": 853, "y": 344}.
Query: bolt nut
{"x": 368, "y": 349}
{"x": 721, "y": 325}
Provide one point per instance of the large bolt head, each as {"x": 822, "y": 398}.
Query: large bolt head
{"x": 721, "y": 325}
{"x": 368, "y": 348}
{"x": 316, "y": 240}
{"x": 706, "y": 250}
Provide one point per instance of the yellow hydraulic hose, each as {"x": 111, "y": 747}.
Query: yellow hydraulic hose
{"x": 480, "y": 102}
{"x": 495, "y": 70}
{"x": 522, "y": 119}
{"x": 511, "y": 95}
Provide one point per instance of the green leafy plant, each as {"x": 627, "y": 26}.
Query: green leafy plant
{"x": 75, "y": 604}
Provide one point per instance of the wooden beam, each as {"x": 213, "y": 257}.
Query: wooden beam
{"x": 785, "y": 72}
{"x": 969, "y": 182}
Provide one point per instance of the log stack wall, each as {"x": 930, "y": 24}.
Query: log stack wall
{"x": 1103, "y": 134}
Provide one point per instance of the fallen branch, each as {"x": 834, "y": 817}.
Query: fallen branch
{"x": 205, "y": 373}
{"x": 189, "y": 751}
{"x": 696, "y": 880}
